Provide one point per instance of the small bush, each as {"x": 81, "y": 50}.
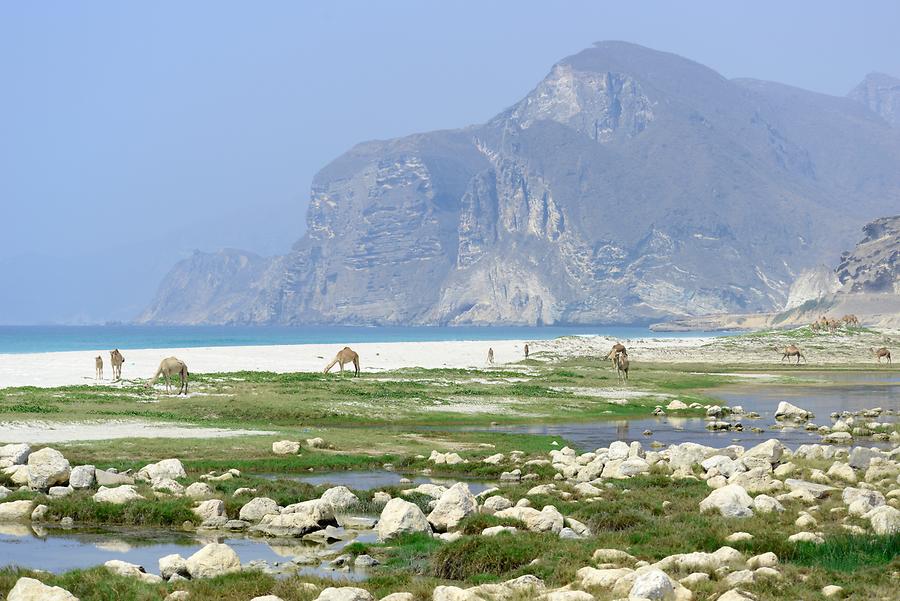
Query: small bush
{"x": 474, "y": 555}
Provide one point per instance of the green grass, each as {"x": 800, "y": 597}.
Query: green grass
{"x": 846, "y": 553}
{"x": 148, "y": 512}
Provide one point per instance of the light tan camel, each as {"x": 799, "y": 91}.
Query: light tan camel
{"x": 490, "y": 356}
{"x": 882, "y": 352}
{"x": 344, "y": 356}
{"x": 98, "y": 367}
{"x": 616, "y": 350}
{"x": 117, "y": 359}
{"x": 789, "y": 351}
{"x": 622, "y": 364}
{"x": 526, "y": 351}
{"x": 172, "y": 366}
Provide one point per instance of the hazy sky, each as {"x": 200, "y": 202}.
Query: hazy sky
{"x": 133, "y": 133}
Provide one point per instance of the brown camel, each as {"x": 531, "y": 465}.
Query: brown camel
{"x": 882, "y": 352}
{"x": 171, "y": 366}
{"x": 622, "y": 364}
{"x": 98, "y": 367}
{"x": 116, "y": 359}
{"x": 526, "y": 351}
{"x": 344, "y": 356}
{"x": 617, "y": 349}
{"x": 490, "y": 356}
{"x": 789, "y": 351}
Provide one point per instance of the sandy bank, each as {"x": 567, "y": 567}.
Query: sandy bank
{"x": 44, "y": 432}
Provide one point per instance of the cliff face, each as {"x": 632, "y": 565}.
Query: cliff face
{"x": 629, "y": 185}
{"x": 881, "y": 94}
{"x": 874, "y": 265}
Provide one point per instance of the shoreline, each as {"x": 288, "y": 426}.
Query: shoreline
{"x": 67, "y": 368}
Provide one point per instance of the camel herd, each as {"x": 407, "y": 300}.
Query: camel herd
{"x": 826, "y": 323}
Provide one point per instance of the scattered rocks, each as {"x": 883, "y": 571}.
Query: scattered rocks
{"x": 401, "y": 517}
{"x": 118, "y": 495}
{"x": 29, "y": 589}
{"x": 46, "y": 468}
{"x": 213, "y": 560}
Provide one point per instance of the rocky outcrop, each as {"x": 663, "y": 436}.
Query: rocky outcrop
{"x": 880, "y": 93}
{"x": 629, "y": 184}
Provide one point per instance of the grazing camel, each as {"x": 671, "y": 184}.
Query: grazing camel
{"x": 490, "y": 356}
{"x": 345, "y": 355}
{"x": 882, "y": 352}
{"x": 622, "y": 364}
{"x": 98, "y": 367}
{"x": 171, "y": 366}
{"x": 117, "y": 359}
{"x": 526, "y": 351}
{"x": 617, "y": 349}
{"x": 789, "y": 351}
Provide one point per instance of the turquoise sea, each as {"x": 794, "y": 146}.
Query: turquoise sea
{"x": 39, "y": 339}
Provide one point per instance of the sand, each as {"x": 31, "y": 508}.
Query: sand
{"x": 45, "y": 432}
{"x": 77, "y": 367}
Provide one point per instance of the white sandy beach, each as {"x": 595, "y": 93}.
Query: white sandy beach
{"x": 77, "y": 367}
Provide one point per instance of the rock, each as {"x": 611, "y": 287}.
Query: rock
{"x": 735, "y": 595}
{"x": 130, "y": 570}
{"x": 832, "y": 591}
{"x": 365, "y": 561}
{"x": 167, "y": 468}
{"x": 885, "y": 520}
{"x": 267, "y": 598}
{"x": 29, "y": 589}
{"x": 340, "y": 498}
{"x": 82, "y": 476}
{"x": 256, "y": 509}
{"x": 770, "y": 450}
{"x": 766, "y": 504}
{"x": 842, "y": 471}
{"x": 288, "y": 524}
{"x": 763, "y": 560}
{"x": 838, "y": 438}
{"x": 212, "y": 508}
{"x": 118, "y": 495}
{"x": 495, "y": 530}
{"x": 286, "y": 447}
{"x": 687, "y": 454}
{"x": 177, "y": 595}
{"x": 547, "y": 520}
{"x": 738, "y": 537}
{"x": 345, "y": 593}
{"x": 107, "y": 478}
{"x": 806, "y": 537}
{"x": 16, "y": 510}
{"x": 46, "y": 468}
{"x": 861, "y": 456}
{"x": 818, "y": 491}
{"x": 399, "y": 597}
{"x": 454, "y": 505}
{"x": 676, "y": 405}
{"x": 14, "y": 454}
{"x": 401, "y": 517}
{"x": 494, "y": 504}
{"x": 881, "y": 469}
{"x": 199, "y": 491}
{"x": 315, "y": 443}
{"x": 39, "y": 513}
{"x": 786, "y": 411}
{"x": 170, "y": 565}
{"x": 167, "y": 485}
{"x": 654, "y": 585}
{"x": 729, "y": 501}
{"x": 454, "y": 593}
{"x": 615, "y": 556}
{"x": 213, "y": 560}
{"x": 493, "y": 459}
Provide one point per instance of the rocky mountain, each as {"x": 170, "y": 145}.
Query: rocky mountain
{"x": 881, "y": 93}
{"x": 874, "y": 265}
{"x": 811, "y": 285}
{"x": 629, "y": 185}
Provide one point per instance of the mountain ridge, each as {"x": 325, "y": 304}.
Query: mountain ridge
{"x": 628, "y": 185}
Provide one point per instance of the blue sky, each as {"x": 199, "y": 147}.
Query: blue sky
{"x": 133, "y": 133}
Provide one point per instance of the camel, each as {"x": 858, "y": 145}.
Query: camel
{"x": 622, "y": 366}
{"x": 490, "y": 356}
{"x": 98, "y": 367}
{"x": 116, "y": 359}
{"x": 526, "y": 351}
{"x": 617, "y": 349}
{"x": 344, "y": 356}
{"x": 791, "y": 351}
{"x": 171, "y": 366}
{"x": 882, "y": 352}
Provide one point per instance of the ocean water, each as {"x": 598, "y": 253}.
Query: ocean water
{"x": 40, "y": 339}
